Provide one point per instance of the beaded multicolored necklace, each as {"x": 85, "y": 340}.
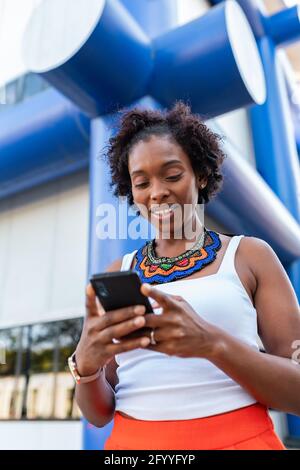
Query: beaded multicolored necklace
{"x": 160, "y": 270}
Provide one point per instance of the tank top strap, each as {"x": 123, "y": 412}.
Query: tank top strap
{"x": 227, "y": 265}
{"x": 127, "y": 261}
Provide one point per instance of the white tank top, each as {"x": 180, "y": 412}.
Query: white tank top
{"x": 155, "y": 386}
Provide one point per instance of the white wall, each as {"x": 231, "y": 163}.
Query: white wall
{"x": 280, "y": 423}
{"x": 47, "y": 435}
{"x": 43, "y": 252}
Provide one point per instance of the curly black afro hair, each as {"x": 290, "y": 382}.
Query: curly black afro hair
{"x": 187, "y": 129}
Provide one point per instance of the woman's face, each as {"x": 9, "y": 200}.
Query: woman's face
{"x": 162, "y": 175}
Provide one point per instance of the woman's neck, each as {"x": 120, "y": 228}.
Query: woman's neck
{"x": 172, "y": 246}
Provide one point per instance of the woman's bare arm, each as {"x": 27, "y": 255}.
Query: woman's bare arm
{"x": 273, "y": 378}
{"x": 96, "y": 400}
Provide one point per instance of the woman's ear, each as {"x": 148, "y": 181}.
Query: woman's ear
{"x": 201, "y": 183}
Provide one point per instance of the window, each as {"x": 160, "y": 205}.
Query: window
{"x": 21, "y": 88}
{"x": 11, "y": 374}
{"x": 35, "y": 382}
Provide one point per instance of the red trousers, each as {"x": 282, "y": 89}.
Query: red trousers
{"x": 248, "y": 428}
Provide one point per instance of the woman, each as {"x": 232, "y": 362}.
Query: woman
{"x": 199, "y": 381}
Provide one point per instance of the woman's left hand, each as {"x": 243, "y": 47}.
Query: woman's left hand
{"x": 179, "y": 330}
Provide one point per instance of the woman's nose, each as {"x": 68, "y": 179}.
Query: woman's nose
{"x": 158, "y": 192}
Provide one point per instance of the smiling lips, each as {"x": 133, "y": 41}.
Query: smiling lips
{"x": 161, "y": 213}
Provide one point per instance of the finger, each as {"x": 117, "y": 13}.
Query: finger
{"x": 164, "y": 300}
{"x": 156, "y": 347}
{"x": 157, "y": 321}
{"x": 128, "y": 345}
{"x": 177, "y": 297}
{"x": 121, "y": 329}
{"x": 164, "y": 334}
{"x": 92, "y": 309}
{"x": 120, "y": 315}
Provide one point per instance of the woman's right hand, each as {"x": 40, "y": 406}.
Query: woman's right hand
{"x": 96, "y": 348}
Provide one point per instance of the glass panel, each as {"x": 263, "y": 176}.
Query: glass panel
{"x": 70, "y": 331}
{"x": 69, "y": 335}
{"x": 21, "y": 88}
{"x": 12, "y": 380}
{"x": 35, "y": 382}
{"x": 41, "y": 384}
{"x": 33, "y": 84}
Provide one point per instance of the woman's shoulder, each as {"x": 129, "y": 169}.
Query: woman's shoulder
{"x": 115, "y": 265}
{"x": 248, "y": 244}
{"x": 256, "y": 252}
{"x": 255, "y": 245}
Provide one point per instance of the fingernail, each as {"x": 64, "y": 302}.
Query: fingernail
{"x": 145, "y": 342}
{"x": 139, "y": 309}
{"x": 138, "y": 321}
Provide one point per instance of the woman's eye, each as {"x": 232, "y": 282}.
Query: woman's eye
{"x": 175, "y": 177}
{"x": 172, "y": 178}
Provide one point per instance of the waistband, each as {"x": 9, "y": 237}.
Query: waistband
{"x": 212, "y": 432}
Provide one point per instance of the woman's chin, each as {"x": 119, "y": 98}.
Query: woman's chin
{"x": 170, "y": 230}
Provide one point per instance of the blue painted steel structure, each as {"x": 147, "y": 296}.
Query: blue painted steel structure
{"x": 41, "y": 139}
{"x": 260, "y": 202}
{"x": 187, "y": 64}
{"x": 88, "y": 79}
{"x": 164, "y": 12}
{"x": 283, "y": 27}
{"x": 273, "y": 132}
{"x": 180, "y": 63}
{"x": 97, "y": 78}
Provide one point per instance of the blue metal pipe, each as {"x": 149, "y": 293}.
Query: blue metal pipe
{"x": 273, "y": 135}
{"x": 111, "y": 69}
{"x": 196, "y": 66}
{"x": 295, "y": 109}
{"x": 250, "y": 9}
{"x": 187, "y": 64}
{"x": 284, "y": 27}
{"x": 255, "y": 210}
{"x": 41, "y": 139}
{"x": 143, "y": 11}
{"x": 294, "y": 102}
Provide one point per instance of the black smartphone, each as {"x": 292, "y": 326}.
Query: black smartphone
{"x": 121, "y": 289}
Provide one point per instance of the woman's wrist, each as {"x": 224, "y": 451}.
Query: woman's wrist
{"x": 78, "y": 376}
{"x": 217, "y": 344}
{"x": 85, "y": 369}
